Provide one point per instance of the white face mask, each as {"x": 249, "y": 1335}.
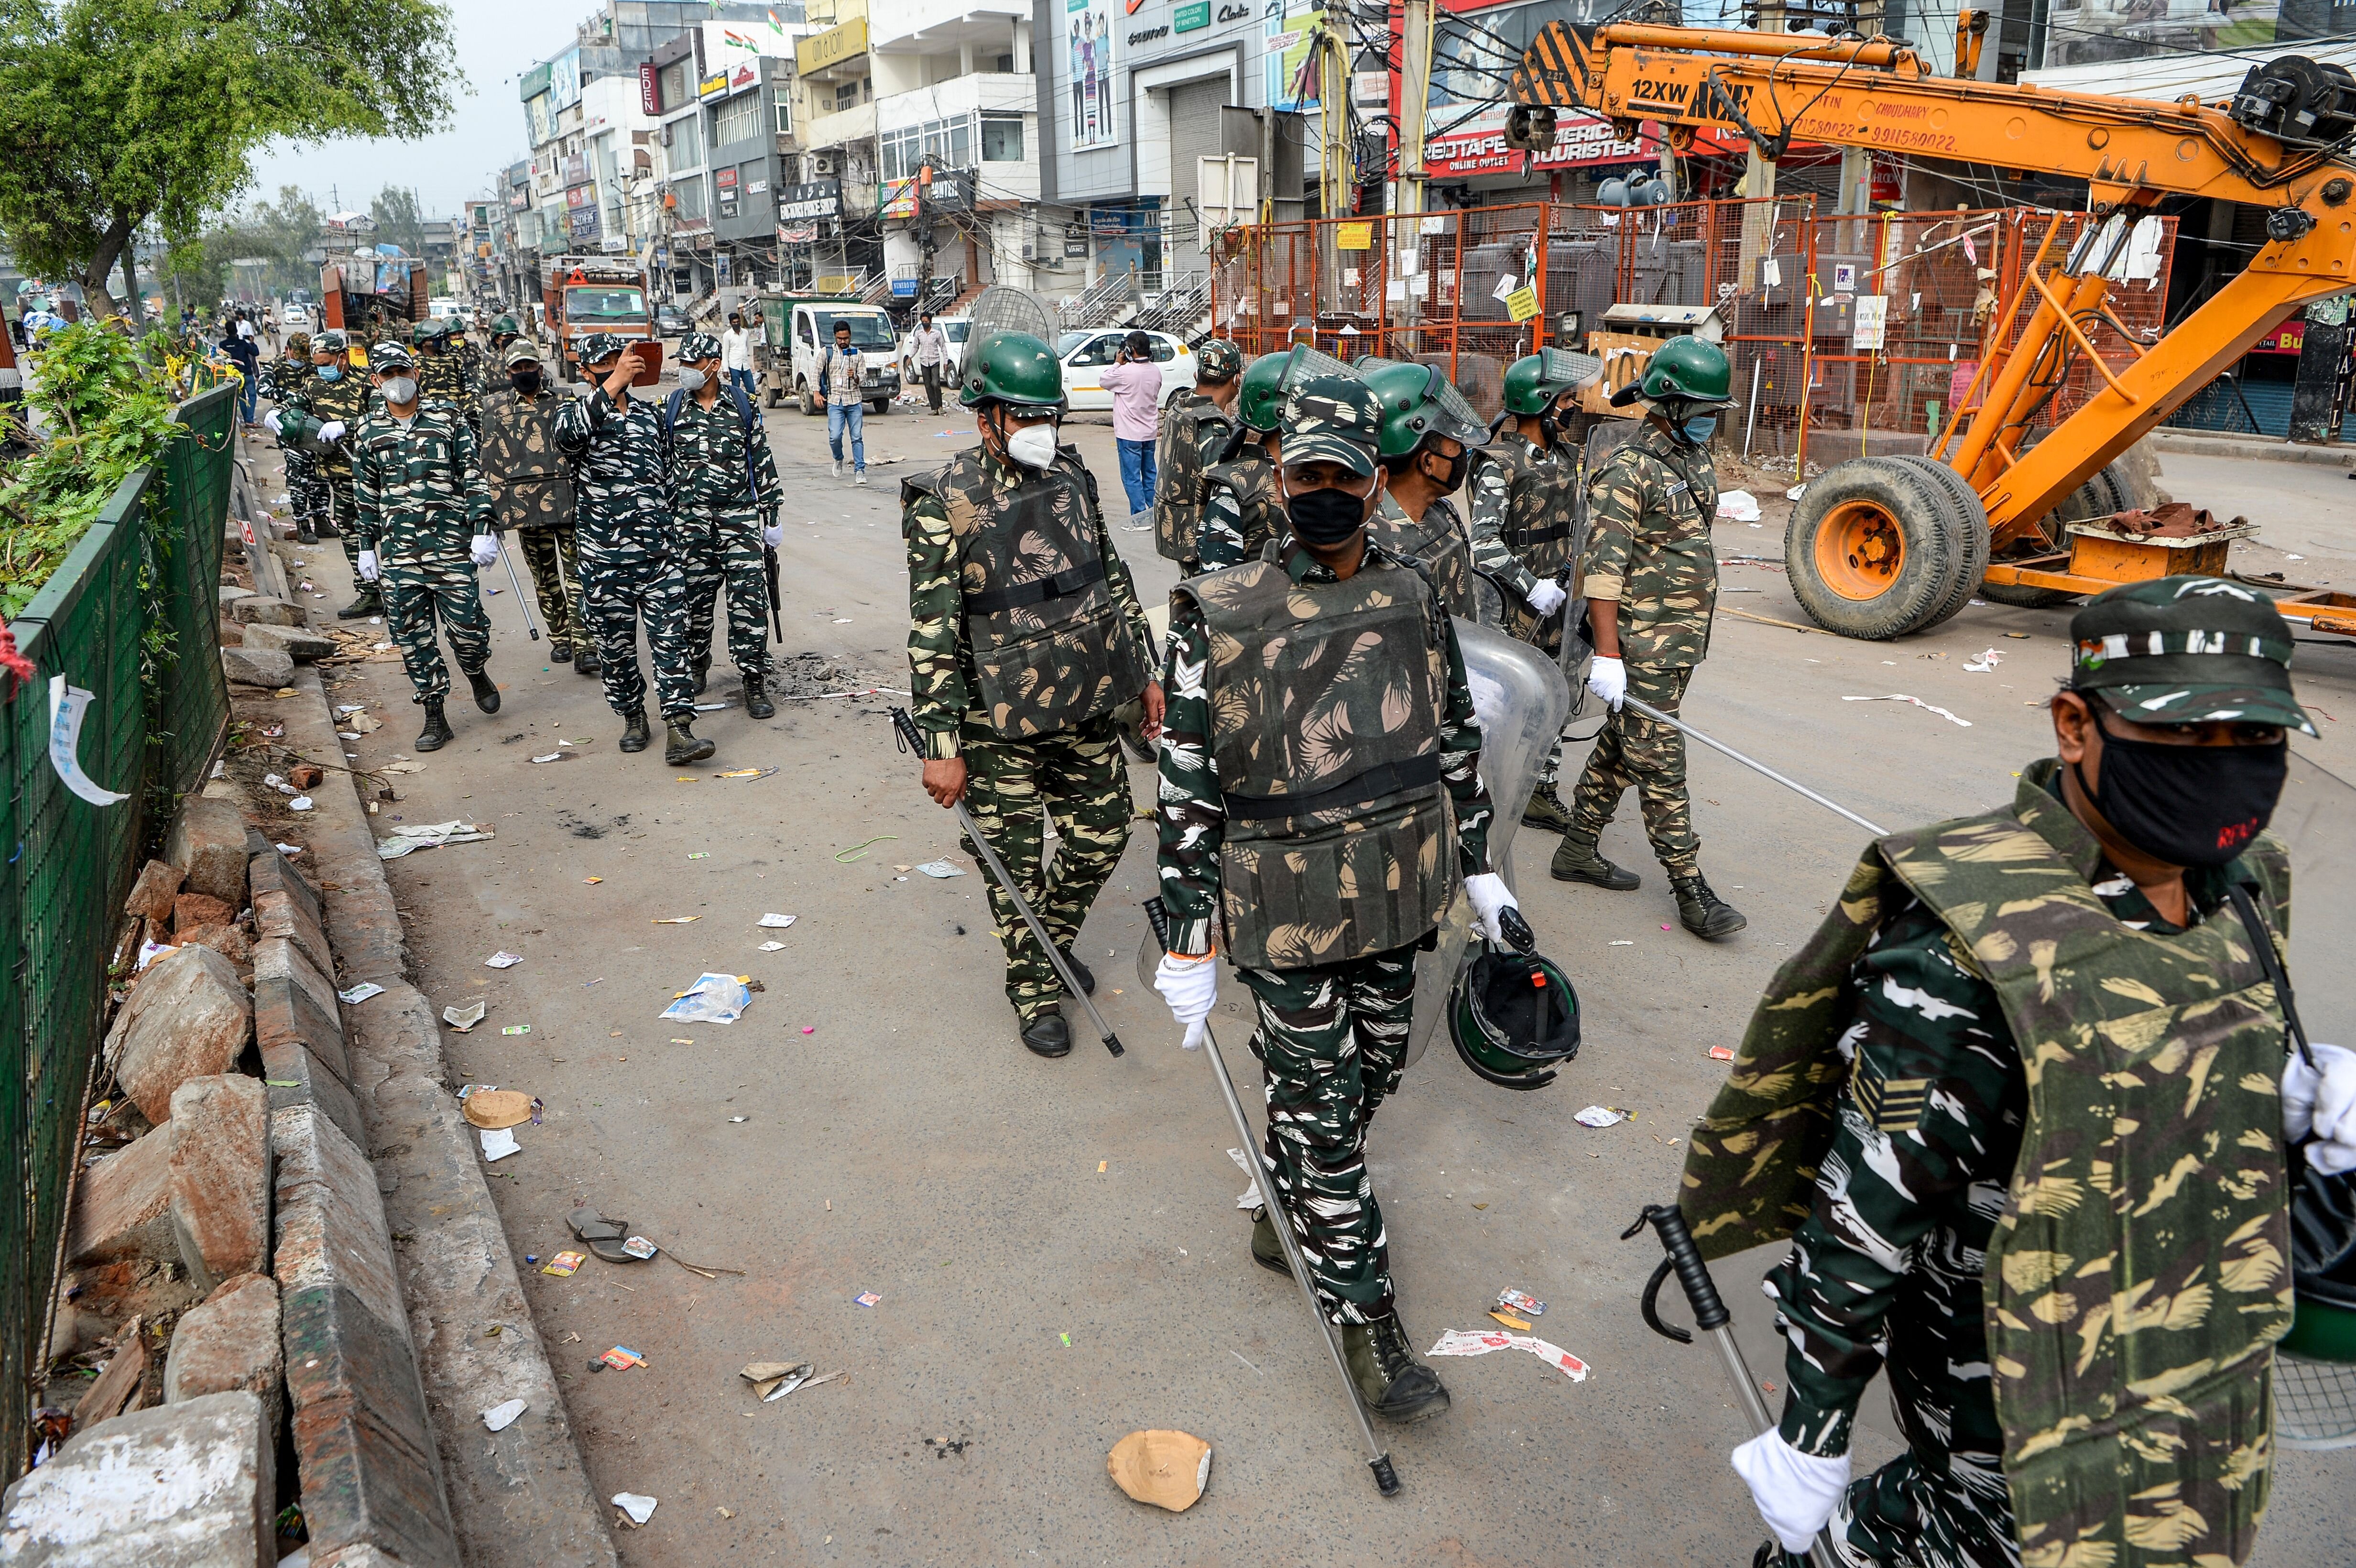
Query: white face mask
{"x": 691, "y": 379}
{"x": 1032, "y": 446}
{"x": 400, "y": 388}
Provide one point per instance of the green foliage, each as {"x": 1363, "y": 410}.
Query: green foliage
{"x": 106, "y": 405}
{"x": 115, "y": 113}
{"x": 399, "y": 220}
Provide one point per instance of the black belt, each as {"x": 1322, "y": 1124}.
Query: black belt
{"x": 1385, "y": 779}
{"x": 1061, "y": 585}
{"x": 1543, "y": 535}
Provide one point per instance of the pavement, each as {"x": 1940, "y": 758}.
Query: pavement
{"x": 1053, "y": 1246}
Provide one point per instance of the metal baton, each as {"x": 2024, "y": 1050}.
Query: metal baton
{"x": 1378, "y": 1460}
{"x": 1711, "y": 1317}
{"x": 910, "y": 741}
{"x": 1674, "y": 722}
{"x": 517, "y": 582}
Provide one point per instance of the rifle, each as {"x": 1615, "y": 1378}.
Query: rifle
{"x": 769, "y": 565}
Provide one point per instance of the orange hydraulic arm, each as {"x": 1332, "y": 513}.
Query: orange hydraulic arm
{"x": 1876, "y": 93}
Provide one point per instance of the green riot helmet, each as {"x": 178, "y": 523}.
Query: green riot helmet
{"x": 1260, "y": 405}
{"x": 1012, "y": 368}
{"x": 1535, "y": 380}
{"x": 1420, "y": 403}
{"x": 1515, "y": 1018}
{"x": 1688, "y": 370}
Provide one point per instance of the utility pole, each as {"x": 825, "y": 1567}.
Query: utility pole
{"x": 1415, "y": 90}
{"x": 1759, "y": 184}
{"x": 924, "y": 232}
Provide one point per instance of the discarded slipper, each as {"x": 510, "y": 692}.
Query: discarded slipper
{"x": 602, "y": 1236}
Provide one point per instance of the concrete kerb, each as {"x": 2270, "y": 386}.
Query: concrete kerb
{"x": 520, "y": 1495}
{"x": 2272, "y": 448}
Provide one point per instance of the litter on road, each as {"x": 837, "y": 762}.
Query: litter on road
{"x": 745, "y": 773}
{"x": 776, "y": 922}
{"x": 486, "y": 1106}
{"x": 517, "y": 1029}
{"x": 361, "y": 993}
{"x": 621, "y": 1357}
{"x": 679, "y": 919}
{"x": 775, "y": 1379}
{"x": 414, "y": 836}
{"x": 499, "y": 1143}
{"x": 464, "y": 1018}
{"x": 503, "y": 960}
{"x": 639, "y": 1507}
{"x": 772, "y": 947}
{"x": 501, "y": 1417}
{"x": 867, "y": 1298}
{"x": 940, "y": 869}
{"x": 1521, "y": 1301}
{"x": 1166, "y": 1469}
{"x": 1985, "y": 663}
{"x": 1721, "y": 1054}
{"x": 1901, "y": 696}
{"x": 1600, "y": 1116}
{"x": 564, "y": 1265}
{"x": 1481, "y": 1341}
{"x": 859, "y": 851}
{"x": 713, "y": 998}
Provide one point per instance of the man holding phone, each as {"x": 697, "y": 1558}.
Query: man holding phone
{"x": 624, "y": 526}
{"x": 1135, "y": 383}
{"x": 842, "y": 373}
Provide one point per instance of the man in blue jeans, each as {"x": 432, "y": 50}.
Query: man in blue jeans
{"x": 1135, "y": 382}
{"x": 840, "y": 372}
{"x": 736, "y": 355}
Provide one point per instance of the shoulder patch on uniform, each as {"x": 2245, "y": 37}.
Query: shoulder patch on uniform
{"x": 1891, "y": 1104}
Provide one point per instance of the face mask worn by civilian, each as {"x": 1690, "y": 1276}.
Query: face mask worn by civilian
{"x": 1325, "y": 517}
{"x": 691, "y": 379}
{"x": 400, "y": 388}
{"x": 1032, "y": 446}
{"x": 2188, "y": 805}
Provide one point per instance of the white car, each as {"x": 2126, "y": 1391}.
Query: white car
{"x": 293, "y": 317}
{"x": 1087, "y": 356}
{"x": 956, "y": 331}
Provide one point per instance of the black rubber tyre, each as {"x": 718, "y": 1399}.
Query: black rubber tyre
{"x": 879, "y": 405}
{"x": 1976, "y": 540}
{"x": 2104, "y": 492}
{"x": 1876, "y": 547}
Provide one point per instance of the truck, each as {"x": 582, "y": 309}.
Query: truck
{"x": 582, "y": 294}
{"x": 369, "y": 295}
{"x": 796, "y": 329}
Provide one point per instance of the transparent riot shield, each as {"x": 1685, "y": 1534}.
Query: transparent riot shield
{"x": 1521, "y": 700}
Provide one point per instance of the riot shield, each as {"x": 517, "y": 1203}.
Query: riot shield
{"x": 1521, "y": 700}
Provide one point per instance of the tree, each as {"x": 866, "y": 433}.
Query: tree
{"x": 115, "y": 113}
{"x": 398, "y": 219}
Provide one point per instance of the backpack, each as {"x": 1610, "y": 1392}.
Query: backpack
{"x": 747, "y": 421}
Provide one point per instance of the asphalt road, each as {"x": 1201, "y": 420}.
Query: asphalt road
{"x": 1054, "y": 1245}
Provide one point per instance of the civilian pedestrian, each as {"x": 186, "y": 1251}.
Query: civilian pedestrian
{"x": 246, "y": 355}
{"x": 841, "y": 376}
{"x": 1135, "y": 383}
{"x": 931, "y": 347}
{"x": 736, "y": 356}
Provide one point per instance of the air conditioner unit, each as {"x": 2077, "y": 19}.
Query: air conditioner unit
{"x": 821, "y": 163}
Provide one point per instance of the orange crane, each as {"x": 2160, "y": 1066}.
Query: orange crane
{"x": 1882, "y": 546}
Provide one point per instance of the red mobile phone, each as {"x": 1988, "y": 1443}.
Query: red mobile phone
{"x": 649, "y": 351}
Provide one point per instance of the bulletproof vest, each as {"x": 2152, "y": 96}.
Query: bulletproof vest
{"x": 1541, "y": 513}
{"x": 1178, "y": 503}
{"x": 1049, "y": 646}
{"x": 1252, "y": 477}
{"x": 345, "y": 398}
{"x": 1438, "y": 541}
{"x": 2140, "y": 1271}
{"x": 529, "y": 481}
{"x": 1326, "y": 701}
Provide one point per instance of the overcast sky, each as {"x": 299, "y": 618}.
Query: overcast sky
{"x": 498, "y": 40}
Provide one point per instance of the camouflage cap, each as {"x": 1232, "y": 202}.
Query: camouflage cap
{"x": 1218, "y": 360}
{"x": 599, "y": 347}
{"x": 698, "y": 347}
{"x": 391, "y": 356}
{"x": 298, "y": 344}
{"x": 2186, "y": 650}
{"x": 1332, "y": 418}
{"x": 331, "y": 341}
{"x": 522, "y": 351}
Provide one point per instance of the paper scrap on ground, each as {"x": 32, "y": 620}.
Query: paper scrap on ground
{"x": 501, "y": 1417}
{"x": 464, "y": 1019}
{"x": 1985, "y": 663}
{"x": 1249, "y": 1198}
{"x": 67, "y": 704}
{"x": 773, "y": 947}
{"x": 776, "y": 922}
{"x": 640, "y": 1508}
{"x": 413, "y": 835}
{"x": 552, "y": 757}
{"x": 300, "y": 802}
{"x": 713, "y": 999}
{"x": 503, "y": 960}
{"x": 940, "y": 869}
{"x": 499, "y": 1143}
{"x": 1481, "y": 1341}
{"x": 1738, "y": 506}
{"x": 1901, "y": 696}
{"x": 361, "y": 992}
{"x": 1598, "y": 1117}
{"x": 679, "y": 920}
{"x": 564, "y": 1265}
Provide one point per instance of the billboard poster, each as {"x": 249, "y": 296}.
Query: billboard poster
{"x": 565, "y": 80}
{"x": 1285, "y": 41}
{"x": 1087, "y": 41}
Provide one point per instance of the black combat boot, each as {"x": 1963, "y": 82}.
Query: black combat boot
{"x": 1770, "y": 1554}
{"x": 1702, "y": 912}
{"x": 757, "y": 699}
{"x": 683, "y": 747}
{"x": 1048, "y": 1035}
{"x": 1576, "y": 860}
{"x": 560, "y": 651}
{"x": 584, "y": 659}
{"x": 367, "y": 602}
{"x": 306, "y": 534}
{"x": 1266, "y": 1249}
{"x": 1547, "y": 811}
{"x": 635, "y": 737}
{"x": 1395, "y": 1385}
{"x": 436, "y": 733}
{"x": 1079, "y": 971}
{"x": 486, "y": 690}
{"x": 702, "y": 667}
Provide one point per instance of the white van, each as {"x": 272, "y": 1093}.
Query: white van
{"x": 807, "y": 325}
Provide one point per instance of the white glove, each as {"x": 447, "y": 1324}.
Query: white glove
{"x": 1190, "y": 985}
{"x": 1491, "y": 899}
{"x": 1547, "y": 597}
{"x": 331, "y": 432}
{"x": 368, "y": 566}
{"x": 774, "y": 535}
{"x": 1794, "y": 1492}
{"x": 485, "y": 551}
{"x": 270, "y": 421}
{"x": 1608, "y": 678}
{"x": 2322, "y": 1100}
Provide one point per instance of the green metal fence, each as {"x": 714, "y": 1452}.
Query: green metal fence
{"x": 153, "y": 559}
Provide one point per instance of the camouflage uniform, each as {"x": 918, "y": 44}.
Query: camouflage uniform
{"x": 624, "y": 526}
{"x": 307, "y": 493}
{"x": 1525, "y": 522}
{"x": 1195, "y": 434}
{"x": 532, "y": 492}
{"x": 420, "y": 501}
{"x": 1072, "y": 769}
{"x": 318, "y": 403}
{"x": 1878, "y": 1113}
{"x": 716, "y": 538}
{"x": 1648, "y": 548}
{"x": 1240, "y": 513}
{"x": 1439, "y": 543}
{"x": 450, "y": 372}
{"x": 1333, "y": 1031}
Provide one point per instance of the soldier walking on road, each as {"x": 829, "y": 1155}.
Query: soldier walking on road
{"x": 725, "y": 499}
{"x": 321, "y": 413}
{"x": 2022, "y": 1105}
{"x": 1650, "y": 578}
{"x": 424, "y": 525}
{"x": 1526, "y": 517}
{"x": 1429, "y": 433}
{"x": 494, "y": 377}
{"x": 448, "y": 368}
{"x": 282, "y": 383}
{"x": 1195, "y": 432}
{"x": 1240, "y": 513}
{"x": 1320, "y": 800}
{"x": 1024, "y": 635}
{"x": 531, "y": 482}
{"x": 624, "y": 519}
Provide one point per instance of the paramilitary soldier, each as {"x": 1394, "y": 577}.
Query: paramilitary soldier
{"x": 1429, "y": 436}
{"x": 1649, "y": 579}
{"x": 282, "y": 380}
{"x": 722, "y": 481}
{"x": 494, "y": 378}
{"x": 1239, "y": 510}
{"x": 2022, "y": 1103}
{"x": 448, "y": 368}
{"x": 1525, "y": 516}
{"x": 322, "y": 412}
{"x": 531, "y": 482}
{"x": 1194, "y": 435}
{"x": 424, "y": 525}
{"x": 1024, "y": 635}
{"x": 1320, "y": 798}
{"x": 623, "y": 520}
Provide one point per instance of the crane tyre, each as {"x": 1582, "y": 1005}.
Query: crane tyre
{"x": 1876, "y": 547}
{"x": 1974, "y": 539}
{"x": 2104, "y": 492}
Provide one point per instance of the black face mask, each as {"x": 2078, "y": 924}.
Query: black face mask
{"x": 1325, "y": 517}
{"x": 524, "y": 381}
{"x": 2189, "y": 805}
{"x": 1454, "y": 480}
